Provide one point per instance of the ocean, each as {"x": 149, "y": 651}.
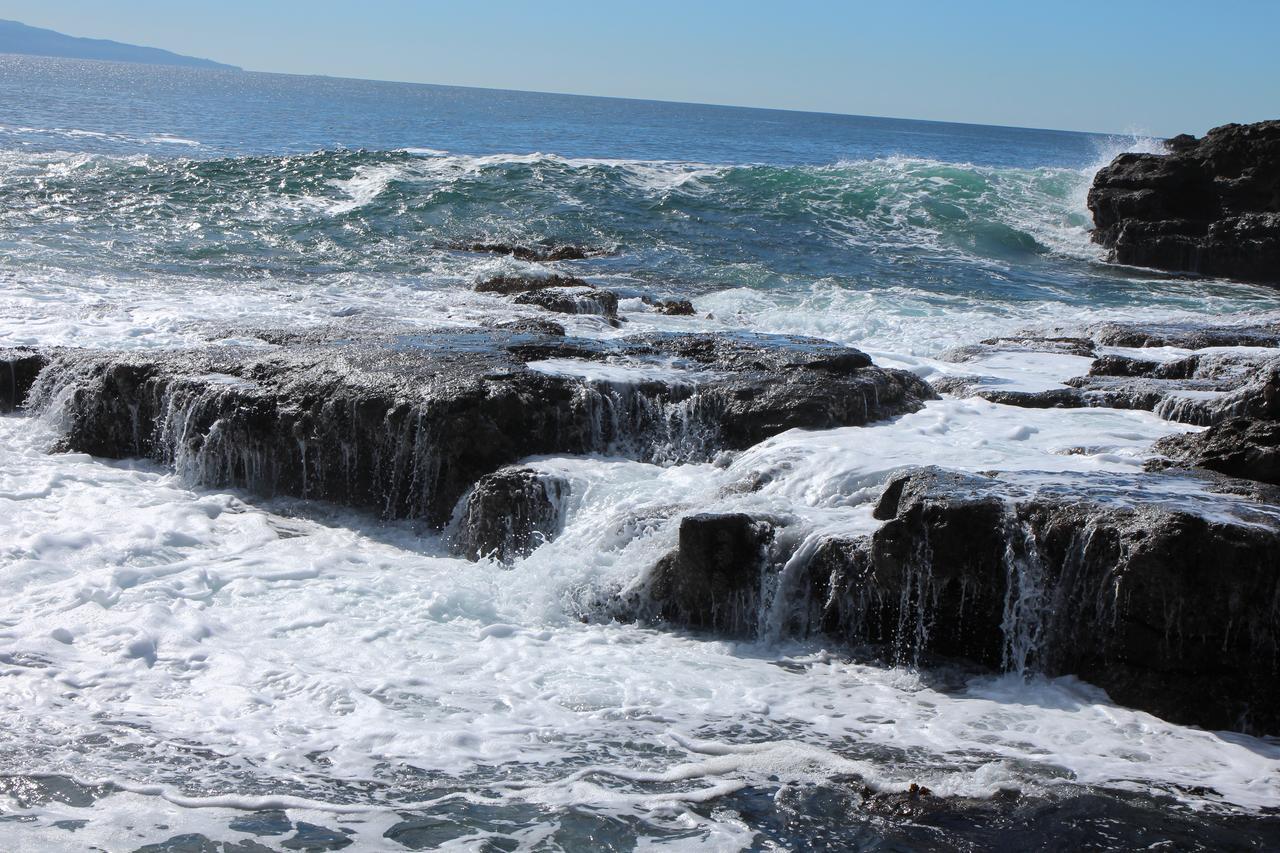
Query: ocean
{"x": 186, "y": 665}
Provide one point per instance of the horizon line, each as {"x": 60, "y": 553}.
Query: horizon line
{"x": 234, "y": 69}
{"x": 693, "y": 103}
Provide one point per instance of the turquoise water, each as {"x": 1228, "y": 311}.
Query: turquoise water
{"x": 176, "y": 175}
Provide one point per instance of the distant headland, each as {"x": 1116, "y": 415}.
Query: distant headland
{"x": 16, "y": 37}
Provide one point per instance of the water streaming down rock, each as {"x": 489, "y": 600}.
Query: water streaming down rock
{"x": 20, "y": 368}
{"x": 1171, "y": 605}
{"x": 508, "y": 513}
{"x": 405, "y": 423}
{"x": 1025, "y": 608}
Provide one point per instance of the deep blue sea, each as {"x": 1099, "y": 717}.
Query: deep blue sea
{"x": 181, "y": 666}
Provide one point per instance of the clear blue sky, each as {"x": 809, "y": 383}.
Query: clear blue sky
{"x": 1122, "y": 65}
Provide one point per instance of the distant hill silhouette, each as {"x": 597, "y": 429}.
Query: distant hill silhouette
{"x": 20, "y": 38}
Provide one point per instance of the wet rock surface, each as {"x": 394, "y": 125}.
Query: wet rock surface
{"x": 1185, "y": 335}
{"x": 19, "y": 368}
{"x": 1247, "y": 448}
{"x": 557, "y": 293}
{"x": 841, "y": 814}
{"x": 1162, "y": 590}
{"x": 539, "y": 253}
{"x": 1228, "y": 371}
{"x": 511, "y": 285}
{"x": 509, "y": 513}
{"x": 1029, "y": 343}
{"x": 573, "y": 300}
{"x": 713, "y": 579}
{"x": 671, "y": 307}
{"x": 1208, "y": 206}
{"x": 405, "y": 423}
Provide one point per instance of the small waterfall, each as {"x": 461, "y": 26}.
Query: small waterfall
{"x": 405, "y": 458}
{"x": 1025, "y": 599}
{"x": 787, "y": 605}
{"x": 664, "y": 424}
{"x": 916, "y": 602}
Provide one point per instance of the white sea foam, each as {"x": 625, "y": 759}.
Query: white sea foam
{"x": 626, "y": 373}
{"x": 362, "y": 188}
{"x": 160, "y": 617}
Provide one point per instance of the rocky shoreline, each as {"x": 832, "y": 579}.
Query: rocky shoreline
{"x": 1161, "y": 587}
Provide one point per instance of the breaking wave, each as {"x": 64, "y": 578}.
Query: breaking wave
{"x": 361, "y": 209}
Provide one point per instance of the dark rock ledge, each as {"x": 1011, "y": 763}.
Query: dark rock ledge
{"x": 1161, "y": 587}
{"x": 557, "y": 293}
{"x": 1168, "y": 599}
{"x": 404, "y": 424}
{"x": 1208, "y": 206}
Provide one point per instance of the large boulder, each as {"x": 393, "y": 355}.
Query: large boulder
{"x": 713, "y": 580}
{"x": 509, "y": 513}
{"x": 1209, "y": 206}
{"x": 1172, "y": 604}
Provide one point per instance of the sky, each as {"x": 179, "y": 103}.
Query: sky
{"x": 1120, "y": 66}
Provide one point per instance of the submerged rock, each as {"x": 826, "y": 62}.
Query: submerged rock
{"x": 1209, "y": 206}
{"x": 509, "y": 513}
{"x": 531, "y": 253}
{"x": 573, "y": 300}
{"x": 404, "y": 424}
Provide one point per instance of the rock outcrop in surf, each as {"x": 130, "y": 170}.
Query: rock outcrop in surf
{"x": 1232, "y": 372}
{"x": 1163, "y": 588}
{"x": 1208, "y": 206}
{"x": 1171, "y": 606}
{"x": 404, "y": 423}
{"x": 509, "y": 513}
